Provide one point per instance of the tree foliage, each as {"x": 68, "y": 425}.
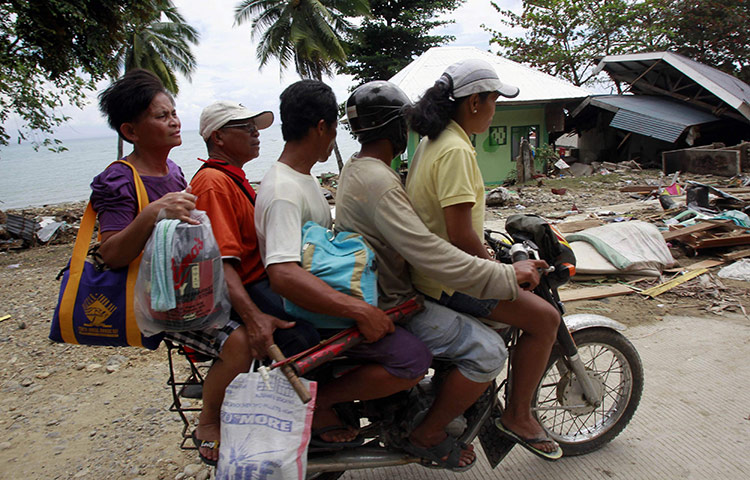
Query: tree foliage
{"x": 566, "y": 37}
{"x": 161, "y": 46}
{"x": 51, "y": 54}
{"x": 715, "y": 32}
{"x": 398, "y": 32}
{"x": 305, "y": 33}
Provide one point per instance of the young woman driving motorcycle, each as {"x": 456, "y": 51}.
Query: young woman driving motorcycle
{"x": 447, "y": 190}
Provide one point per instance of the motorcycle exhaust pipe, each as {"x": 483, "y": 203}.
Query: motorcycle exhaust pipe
{"x": 358, "y": 459}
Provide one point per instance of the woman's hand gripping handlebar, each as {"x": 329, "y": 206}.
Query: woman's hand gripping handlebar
{"x": 527, "y": 264}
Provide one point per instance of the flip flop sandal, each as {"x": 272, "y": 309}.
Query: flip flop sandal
{"x": 527, "y": 443}
{"x": 437, "y": 454}
{"x": 317, "y": 441}
{"x": 211, "y": 444}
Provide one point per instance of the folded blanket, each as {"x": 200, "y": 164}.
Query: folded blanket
{"x": 629, "y": 246}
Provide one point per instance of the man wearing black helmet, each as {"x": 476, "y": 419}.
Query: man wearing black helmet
{"x": 372, "y": 201}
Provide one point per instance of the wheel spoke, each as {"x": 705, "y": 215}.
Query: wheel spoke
{"x": 561, "y": 409}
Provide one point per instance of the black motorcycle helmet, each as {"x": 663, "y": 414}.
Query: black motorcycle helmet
{"x": 375, "y": 110}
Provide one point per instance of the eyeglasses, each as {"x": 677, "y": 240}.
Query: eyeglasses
{"x": 249, "y": 127}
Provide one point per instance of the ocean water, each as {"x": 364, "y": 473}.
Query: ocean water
{"x": 29, "y": 178}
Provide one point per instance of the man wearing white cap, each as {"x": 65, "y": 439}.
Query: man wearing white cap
{"x": 258, "y": 319}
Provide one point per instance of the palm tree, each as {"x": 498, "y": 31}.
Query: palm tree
{"x": 305, "y": 32}
{"x": 161, "y": 46}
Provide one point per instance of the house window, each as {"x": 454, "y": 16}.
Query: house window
{"x": 528, "y": 132}
{"x": 498, "y": 136}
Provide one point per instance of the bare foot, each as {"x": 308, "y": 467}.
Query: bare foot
{"x": 209, "y": 432}
{"x": 326, "y": 417}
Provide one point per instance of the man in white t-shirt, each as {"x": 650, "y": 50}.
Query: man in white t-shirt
{"x": 290, "y": 196}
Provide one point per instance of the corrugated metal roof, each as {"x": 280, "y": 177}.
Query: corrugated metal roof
{"x": 726, "y": 88}
{"x": 656, "y": 117}
{"x": 534, "y": 85}
{"x": 21, "y": 227}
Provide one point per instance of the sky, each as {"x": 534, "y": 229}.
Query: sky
{"x": 228, "y": 68}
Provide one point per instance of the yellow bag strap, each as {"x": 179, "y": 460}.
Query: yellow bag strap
{"x": 80, "y": 251}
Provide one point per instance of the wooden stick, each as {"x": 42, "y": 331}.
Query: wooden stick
{"x": 302, "y": 392}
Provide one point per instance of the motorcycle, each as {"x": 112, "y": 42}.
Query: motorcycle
{"x": 586, "y": 397}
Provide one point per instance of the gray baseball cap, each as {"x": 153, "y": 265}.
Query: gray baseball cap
{"x": 476, "y": 76}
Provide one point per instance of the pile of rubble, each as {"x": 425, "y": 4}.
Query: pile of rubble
{"x": 641, "y": 231}
{"x": 33, "y": 226}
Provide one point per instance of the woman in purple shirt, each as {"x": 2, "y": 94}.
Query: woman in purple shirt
{"x": 142, "y": 112}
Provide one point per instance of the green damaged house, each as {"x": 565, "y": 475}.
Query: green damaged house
{"x": 535, "y": 114}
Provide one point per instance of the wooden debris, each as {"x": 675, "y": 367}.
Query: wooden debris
{"x": 736, "y": 255}
{"x": 666, "y": 286}
{"x": 709, "y": 234}
{"x": 4, "y": 317}
{"x": 590, "y": 293}
{"x": 696, "y": 266}
{"x": 722, "y": 241}
{"x": 698, "y": 227}
{"x": 577, "y": 226}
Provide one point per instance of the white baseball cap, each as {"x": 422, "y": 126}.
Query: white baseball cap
{"x": 476, "y": 76}
{"x": 220, "y": 113}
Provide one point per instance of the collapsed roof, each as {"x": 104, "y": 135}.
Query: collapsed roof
{"x": 656, "y": 117}
{"x": 671, "y": 74}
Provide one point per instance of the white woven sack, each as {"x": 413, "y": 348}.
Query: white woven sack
{"x": 265, "y": 429}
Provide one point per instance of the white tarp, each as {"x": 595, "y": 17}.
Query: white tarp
{"x": 737, "y": 271}
{"x": 636, "y": 248}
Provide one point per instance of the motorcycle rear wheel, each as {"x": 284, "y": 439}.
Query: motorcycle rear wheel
{"x": 615, "y": 368}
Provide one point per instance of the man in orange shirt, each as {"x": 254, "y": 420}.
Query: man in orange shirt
{"x": 258, "y": 319}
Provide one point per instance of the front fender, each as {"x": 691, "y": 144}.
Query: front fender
{"x": 579, "y": 321}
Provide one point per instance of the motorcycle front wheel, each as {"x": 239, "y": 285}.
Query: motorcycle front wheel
{"x": 614, "y": 367}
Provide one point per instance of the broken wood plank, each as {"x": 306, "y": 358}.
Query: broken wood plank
{"x": 725, "y": 241}
{"x": 590, "y": 293}
{"x": 577, "y": 226}
{"x": 736, "y": 255}
{"x": 666, "y": 286}
{"x": 696, "y": 266}
{"x": 698, "y": 227}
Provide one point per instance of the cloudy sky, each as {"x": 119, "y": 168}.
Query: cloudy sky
{"x": 228, "y": 69}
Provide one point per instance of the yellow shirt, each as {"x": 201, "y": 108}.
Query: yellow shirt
{"x": 444, "y": 172}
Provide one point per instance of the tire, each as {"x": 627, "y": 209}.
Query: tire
{"x": 616, "y": 370}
